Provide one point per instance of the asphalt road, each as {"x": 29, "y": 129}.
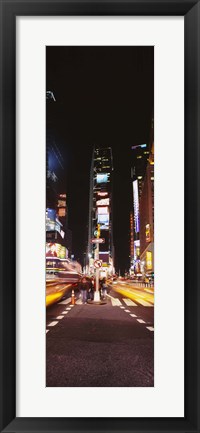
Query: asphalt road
{"x": 109, "y": 345}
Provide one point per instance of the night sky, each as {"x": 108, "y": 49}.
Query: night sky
{"x": 104, "y": 97}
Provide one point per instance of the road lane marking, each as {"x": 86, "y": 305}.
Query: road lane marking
{"x": 66, "y": 301}
{"x": 127, "y": 311}
{"x": 59, "y": 317}
{"x": 52, "y": 323}
{"x": 64, "y": 312}
{"x": 122, "y": 307}
{"x": 150, "y": 328}
{"x": 145, "y": 303}
{"x": 68, "y": 308}
{"x": 47, "y": 330}
{"x": 129, "y": 302}
{"x": 115, "y": 302}
{"x": 133, "y": 315}
{"x": 141, "y": 321}
{"x": 71, "y": 305}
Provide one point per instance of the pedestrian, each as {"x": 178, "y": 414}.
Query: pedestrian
{"x": 104, "y": 288}
{"x": 91, "y": 289}
{"x": 84, "y": 289}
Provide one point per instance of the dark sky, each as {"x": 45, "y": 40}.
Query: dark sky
{"x": 104, "y": 96}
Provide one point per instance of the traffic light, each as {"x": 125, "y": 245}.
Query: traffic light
{"x": 97, "y": 231}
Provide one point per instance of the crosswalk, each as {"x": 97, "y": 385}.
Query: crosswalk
{"x": 129, "y": 302}
{"x": 116, "y": 302}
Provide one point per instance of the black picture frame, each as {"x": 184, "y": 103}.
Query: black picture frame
{"x": 190, "y": 9}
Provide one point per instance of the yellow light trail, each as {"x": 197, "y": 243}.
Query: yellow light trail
{"x": 55, "y": 292}
{"x": 134, "y": 294}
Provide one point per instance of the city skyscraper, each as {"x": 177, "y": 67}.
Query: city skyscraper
{"x": 147, "y": 215}
{"x": 142, "y": 177}
{"x": 140, "y": 154}
{"x": 100, "y": 209}
{"x": 55, "y": 200}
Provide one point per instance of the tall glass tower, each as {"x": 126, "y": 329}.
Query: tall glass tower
{"x": 100, "y": 209}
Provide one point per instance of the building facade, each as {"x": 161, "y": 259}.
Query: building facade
{"x": 56, "y": 207}
{"x": 147, "y": 218}
{"x": 100, "y": 210}
{"x": 142, "y": 225}
{"x": 139, "y": 160}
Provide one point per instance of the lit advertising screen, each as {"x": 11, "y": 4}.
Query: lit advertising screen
{"x": 104, "y": 256}
{"x": 102, "y": 178}
{"x": 55, "y": 250}
{"x": 51, "y": 214}
{"x": 148, "y": 260}
{"x": 136, "y": 206}
{"x": 102, "y": 194}
{"x": 148, "y": 233}
{"x": 62, "y": 211}
{"x": 136, "y": 248}
{"x": 103, "y": 202}
{"x": 61, "y": 203}
{"x": 103, "y": 219}
{"x": 102, "y": 210}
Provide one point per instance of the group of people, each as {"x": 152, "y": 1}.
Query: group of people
{"x": 87, "y": 287}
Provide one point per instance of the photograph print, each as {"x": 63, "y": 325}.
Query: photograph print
{"x": 99, "y": 216}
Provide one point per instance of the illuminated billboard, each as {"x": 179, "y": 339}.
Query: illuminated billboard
{"x": 103, "y": 202}
{"x": 51, "y": 214}
{"x": 136, "y": 249}
{"x": 62, "y": 211}
{"x": 103, "y": 219}
{"x": 52, "y": 222}
{"x": 102, "y": 178}
{"x": 102, "y": 210}
{"x": 148, "y": 260}
{"x": 148, "y": 233}
{"x": 55, "y": 250}
{"x": 61, "y": 203}
{"x": 102, "y": 194}
{"x": 136, "y": 206}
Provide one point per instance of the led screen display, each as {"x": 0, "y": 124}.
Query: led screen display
{"x": 51, "y": 214}
{"x": 103, "y": 202}
{"x": 102, "y": 178}
{"x": 136, "y": 206}
{"x": 103, "y": 219}
{"x": 102, "y": 194}
{"x": 102, "y": 210}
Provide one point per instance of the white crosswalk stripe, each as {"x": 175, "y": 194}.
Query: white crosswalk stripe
{"x": 150, "y": 328}
{"x": 144, "y": 303}
{"x": 115, "y": 302}
{"x": 129, "y": 302}
{"x": 66, "y": 301}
